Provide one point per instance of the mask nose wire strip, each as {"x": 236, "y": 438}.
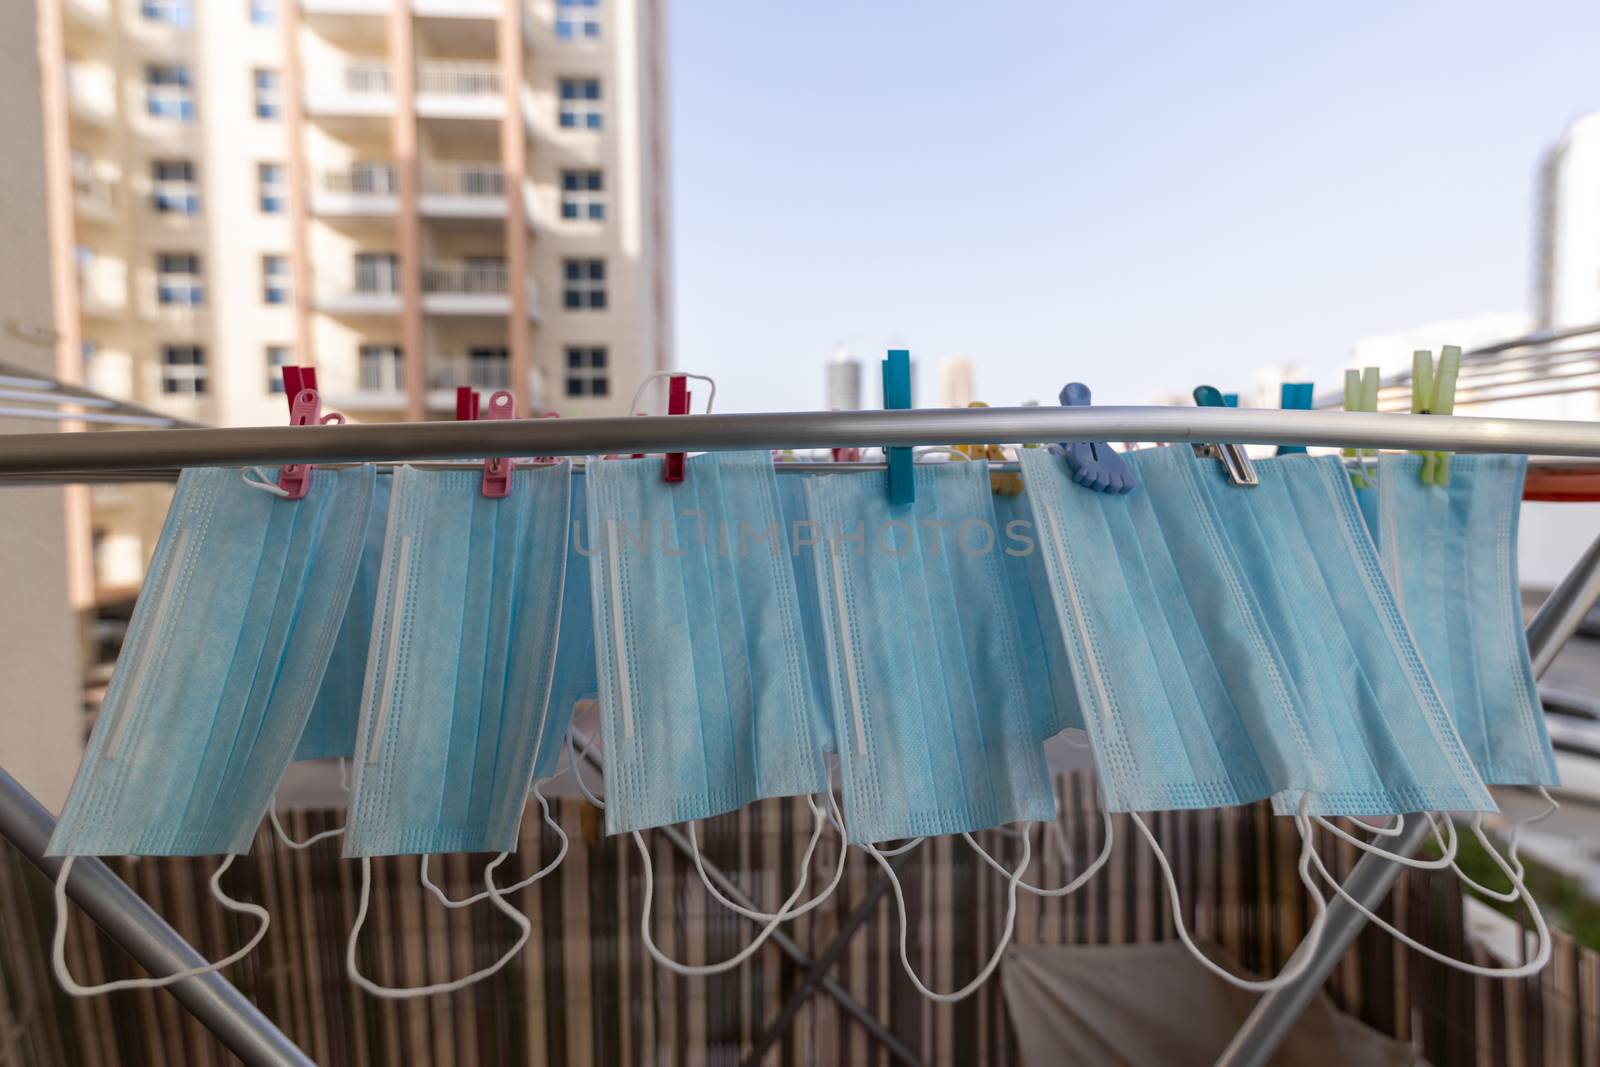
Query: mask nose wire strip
{"x": 524, "y": 925}
{"x": 1302, "y": 957}
{"x": 819, "y": 821}
{"x": 58, "y": 943}
{"x": 1448, "y": 848}
{"x": 544, "y": 807}
{"x": 1012, "y": 879}
{"x": 1054, "y": 829}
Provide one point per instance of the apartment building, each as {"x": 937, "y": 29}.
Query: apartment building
{"x": 410, "y": 195}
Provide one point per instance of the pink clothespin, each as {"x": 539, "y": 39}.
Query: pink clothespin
{"x": 497, "y": 470}
{"x": 847, "y": 455}
{"x": 466, "y": 403}
{"x": 677, "y": 404}
{"x": 305, "y": 409}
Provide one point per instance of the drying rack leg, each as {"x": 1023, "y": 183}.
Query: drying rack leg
{"x": 1276, "y": 1013}
{"x": 131, "y": 923}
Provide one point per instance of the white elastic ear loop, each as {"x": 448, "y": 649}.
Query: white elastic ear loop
{"x": 404, "y": 993}
{"x": 544, "y": 806}
{"x": 1301, "y": 959}
{"x": 58, "y": 945}
{"x": 1541, "y": 929}
{"x": 837, "y": 819}
{"x": 1013, "y": 879}
{"x": 344, "y": 774}
{"x": 648, "y": 378}
{"x": 1514, "y": 846}
{"x": 577, "y": 771}
{"x": 700, "y": 970}
{"x": 283, "y": 835}
{"x": 1446, "y": 847}
{"x": 1054, "y": 832}
{"x": 819, "y": 819}
{"x": 266, "y": 485}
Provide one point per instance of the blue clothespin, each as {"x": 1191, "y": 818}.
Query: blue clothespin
{"x": 1094, "y": 464}
{"x": 1294, "y": 396}
{"x": 1234, "y": 458}
{"x": 897, "y": 397}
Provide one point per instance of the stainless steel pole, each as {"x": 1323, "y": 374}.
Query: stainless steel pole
{"x": 244, "y": 446}
{"x": 157, "y": 947}
{"x": 1276, "y": 1013}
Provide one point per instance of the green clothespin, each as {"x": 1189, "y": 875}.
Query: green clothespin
{"x": 1434, "y": 393}
{"x": 1361, "y": 394}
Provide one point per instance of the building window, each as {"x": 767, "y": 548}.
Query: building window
{"x": 173, "y": 190}
{"x": 175, "y": 13}
{"x": 379, "y": 368}
{"x": 583, "y": 195}
{"x": 377, "y": 272}
{"x": 178, "y": 279}
{"x": 169, "y": 92}
{"x": 263, "y": 12}
{"x": 583, "y": 284}
{"x": 272, "y": 188}
{"x": 580, "y": 104}
{"x": 578, "y": 20}
{"x": 269, "y": 94}
{"x": 275, "y": 288}
{"x": 277, "y": 358}
{"x": 183, "y": 370}
{"x": 586, "y": 371}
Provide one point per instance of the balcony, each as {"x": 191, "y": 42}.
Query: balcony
{"x": 457, "y": 9}
{"x": 346, "y": 7}
{"x": 94, "y": 195}
{"x": 459, "y": 89}
{"x": 373, "y": 293}
{"x": 463, "y": 191}
{"x": 359, "y": 89}
{"x": 447, "y": 373}
{"x": 359, "y": 190}
{"x": 92, "y": 93}
{"x": 466, "y": 287}
{"x": 90, "y": 14}
{"x": 102, "y": 287}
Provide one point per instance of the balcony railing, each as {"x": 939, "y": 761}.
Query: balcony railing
{"x": 367, "y": 77}
{"x": 487, "y": 276}
{"x": 453, "y": 78}
{"x": 95, "y": 194}
{"x": 360, "y": 179}
{"x": 463, "y": 179}
{"x": 478, "y": 372}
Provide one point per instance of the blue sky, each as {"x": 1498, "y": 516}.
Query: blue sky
{"x": 1139, "y": 196}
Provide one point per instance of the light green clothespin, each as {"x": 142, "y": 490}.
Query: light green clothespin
{"x": 1434, "y": 393}
{"x": 1361, "y": 394}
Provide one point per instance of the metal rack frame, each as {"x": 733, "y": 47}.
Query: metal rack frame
{"x": 96, "y": 456}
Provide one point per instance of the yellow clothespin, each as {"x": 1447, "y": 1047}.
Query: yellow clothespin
{"x": 1433, "y": 392}
{"x": 1003, "y": 483}
{"x": 1361, "y": 394}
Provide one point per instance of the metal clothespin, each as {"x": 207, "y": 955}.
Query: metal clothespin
{"x": 677, "y": 404}
{"x": 897, "y": 397}
{"x": 1094, "y": 464}
{"x": 1001, "y": 483}
{"x": 497, "y": 469}
{"x": 1234, "y": 458}
{"x": 305, "y": 409}
{"x": 1295, "y": 396}
{"x": 1433, "y": 392}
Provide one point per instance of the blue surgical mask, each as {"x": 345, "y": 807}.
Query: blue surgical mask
{"x": 1451, "y": 555}
{"x": 1052, "y": 696}
{"x": 575, "y": 671}
{"x": 803, "y": 539}
{"x": 924, "y": 666}
{"x": 222, "y": 663}
{"x": 331, "y": 730}
{"x": 705, "y": 703}
{"x": 459, "y": 670}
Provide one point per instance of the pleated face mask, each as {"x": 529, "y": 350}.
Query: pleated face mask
{"x": 223, "y": 660}
{"x": 1375, "y": 733}
{"x": 1052, "y": 697}
{"x": 575, "y": 671}
{"x": 331, "y": 730}
{"x": 932, "y": 721}
{"x": 459, "y": 670}
{"x": 704, "y": 699}
{"x": 1451, "y": 555}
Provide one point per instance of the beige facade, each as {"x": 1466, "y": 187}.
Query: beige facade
{"x": 410, "y": 195}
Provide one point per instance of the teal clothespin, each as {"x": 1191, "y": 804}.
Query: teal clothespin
{"x": 897, "y": 397}
{"x": 1230, "y": 400}
{"x": 1294, "y": 396}
{"x": 1234, "y": 457}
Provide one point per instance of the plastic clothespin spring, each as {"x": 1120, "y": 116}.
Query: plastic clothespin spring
{"x": 1234, "y": 458}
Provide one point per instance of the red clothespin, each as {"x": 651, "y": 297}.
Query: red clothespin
{"x": 497, "y": 470}
{"x": 466, "y": 403}
{"x": 847, "y": 455}
{"x": 677, "y": 404}
{"x": 305, "y": 409}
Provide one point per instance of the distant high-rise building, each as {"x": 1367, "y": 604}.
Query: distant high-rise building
{"x": 955, "y": 382}
{"x": 1567, "y": 271}
{"x": 844, "y": 382}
